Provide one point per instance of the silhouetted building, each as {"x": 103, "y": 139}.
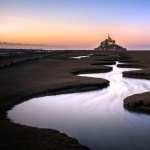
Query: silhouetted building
{"x": 110, "y": 45}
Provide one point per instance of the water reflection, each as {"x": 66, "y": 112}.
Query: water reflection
{"x": 80, "y": 57}
{"x": 97, "y": 119}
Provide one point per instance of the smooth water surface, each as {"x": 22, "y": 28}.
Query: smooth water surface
{"x": 80, "y": 57}
{"x": 97, "y": 119}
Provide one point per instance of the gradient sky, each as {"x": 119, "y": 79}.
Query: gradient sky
{"x": 76, "y": 23}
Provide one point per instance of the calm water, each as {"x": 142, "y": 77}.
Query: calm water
{"x": 97, "y": 119}
{"x": 80, "y": 57}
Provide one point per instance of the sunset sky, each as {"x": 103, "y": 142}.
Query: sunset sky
{"x": 75, "y": 24}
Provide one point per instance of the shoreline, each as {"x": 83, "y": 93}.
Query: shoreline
{"x": 58, "y": 81}
{"x": 77, "y": 84}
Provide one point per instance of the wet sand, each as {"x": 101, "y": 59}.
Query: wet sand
{"x": 139, "y": 102}
{"x": 53, "y": 74}
{"x": 95, "y": 117}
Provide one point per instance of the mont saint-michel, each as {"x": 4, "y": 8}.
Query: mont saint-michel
{"x": 110, "y": 45}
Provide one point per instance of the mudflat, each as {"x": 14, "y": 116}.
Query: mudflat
{"x": 51, "y": 73}
{"x": 138, "y": 102}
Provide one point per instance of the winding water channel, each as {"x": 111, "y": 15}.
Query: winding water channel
{"x": 97, "y": 119}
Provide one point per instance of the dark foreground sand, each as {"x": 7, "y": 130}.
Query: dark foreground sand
{"x": 54, "y": 73}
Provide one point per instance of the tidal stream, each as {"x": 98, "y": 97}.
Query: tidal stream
{"x": 97, "y": 118}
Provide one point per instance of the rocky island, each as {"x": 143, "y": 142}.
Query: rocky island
{"x": 110, "y": 45}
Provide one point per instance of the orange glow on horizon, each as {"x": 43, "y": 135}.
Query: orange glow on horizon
{"x": 22, "y": 30}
